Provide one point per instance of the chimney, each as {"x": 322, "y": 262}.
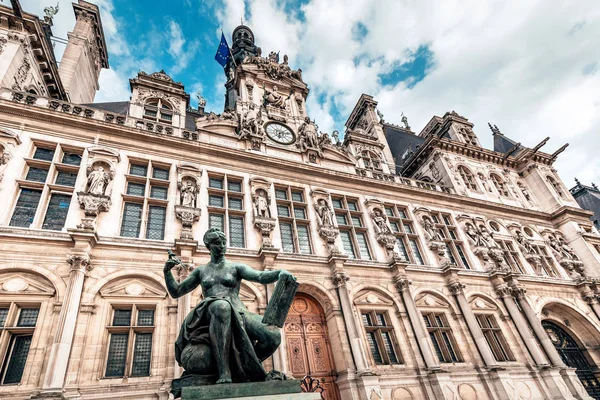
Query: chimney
{"x": 85, "y": 54}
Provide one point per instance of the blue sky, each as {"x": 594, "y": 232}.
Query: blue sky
{"x": 531, "y": 69}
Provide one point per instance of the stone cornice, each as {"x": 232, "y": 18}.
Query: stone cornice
{"x": 125, "y": 137}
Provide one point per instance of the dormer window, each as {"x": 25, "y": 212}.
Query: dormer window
{"x": 468, "y": 178}
{"x": 500, "y": 185}
{"x": 158, "y": 110}
{"x": 371, "y": 160}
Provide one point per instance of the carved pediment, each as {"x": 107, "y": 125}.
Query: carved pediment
{"x": 368, "y": 297}
{"x": 479, "y": 303}
{"x": 429, "y": 300}
{"x": 25, "y": 283}
{"x": 104, "y": 152}
{"x": 133, "y": 287}
{"x": 8, "y": 136}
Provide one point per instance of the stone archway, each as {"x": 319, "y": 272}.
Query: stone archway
{"x": 573, "y": 355}
{"x": 308, "y": 347}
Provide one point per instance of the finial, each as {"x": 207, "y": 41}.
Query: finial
{"x": 594, "y": 186}
{"x": 50, "y": 12}
{"x": 577, "y": 182}
{"x": 494, "y": 129}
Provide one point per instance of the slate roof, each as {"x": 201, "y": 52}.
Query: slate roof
{"x": 588, "y": 198}
{"x": 402, "y": 142}
{"x": 503, "y": 144}
{"x": 117, "y": 107}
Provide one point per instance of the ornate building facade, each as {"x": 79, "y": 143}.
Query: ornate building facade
{"x": 429, "y": 266}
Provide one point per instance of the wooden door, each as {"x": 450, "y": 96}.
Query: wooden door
{"x": 308, "y": 348}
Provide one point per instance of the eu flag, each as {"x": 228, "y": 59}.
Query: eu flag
{"x": 223, "y": 53}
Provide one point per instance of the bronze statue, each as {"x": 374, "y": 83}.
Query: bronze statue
{"x": 220, "y": 335}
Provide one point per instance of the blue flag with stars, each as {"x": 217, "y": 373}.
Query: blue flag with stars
{"x": 223, "y": 53}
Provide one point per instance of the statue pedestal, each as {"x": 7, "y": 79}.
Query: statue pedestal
{"x": 276, "y": 390}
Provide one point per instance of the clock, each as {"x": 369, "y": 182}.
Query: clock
{"x": 280, "y": 133}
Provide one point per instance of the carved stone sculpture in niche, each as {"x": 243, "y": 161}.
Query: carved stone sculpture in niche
{"x": 528, "y": 251}
{"x": 566, "y": 256}
{"x": 325, "y": 216}
{"x": 383, "y": 232}
{"x": 308, "y": 140}
{"x": 96, "y": 197}
{"x": 486, "y": 247}
{"x": 188, "y": 192}
{"x": 484, "y": 182}
{"x": 187, "y": 211}
{"x": 5, "y": 157}
{"x": 263, "y": 220}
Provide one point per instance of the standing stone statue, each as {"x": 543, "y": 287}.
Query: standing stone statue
{"x": 380, "y": 222}
{"x": 220, "y": 340}
{"x": 324, "y": 213}
{"x": 188, "y": 192}
{"x": 97, "y": 181}
{"x": 261, "y": 204}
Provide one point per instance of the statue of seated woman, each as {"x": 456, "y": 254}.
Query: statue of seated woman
{"x": 220, "y": 335}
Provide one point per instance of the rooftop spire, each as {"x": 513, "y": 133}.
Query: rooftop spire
{"x": 494, "y": 129}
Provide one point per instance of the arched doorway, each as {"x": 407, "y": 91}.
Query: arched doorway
{"x": 307, "y": 342}
{"x": 573, "y": 356}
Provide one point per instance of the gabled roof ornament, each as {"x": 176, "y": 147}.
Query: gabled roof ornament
{"x": 495, "y": 129}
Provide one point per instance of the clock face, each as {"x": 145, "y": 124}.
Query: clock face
{"x": 280, "y": 133}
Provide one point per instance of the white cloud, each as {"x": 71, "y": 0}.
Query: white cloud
{"x": 529, "y": 67}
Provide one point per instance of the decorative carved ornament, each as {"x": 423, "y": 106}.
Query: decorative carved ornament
{"x": 261, "y": 199}
{"x": 326, "y": 220}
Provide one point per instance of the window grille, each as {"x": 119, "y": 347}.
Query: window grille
{"x": 160, "y": 173}
{"x": 380, "y": 337}
{"x": 66, "y": 178}
{"x": 26, "y": 208}
{"x": 352, "y": 229}
{"x": 37, "y": 174}
{"x": 17, "y": 332}
{"x": 132, "y": 220}
{"x": 226, "y": 207}
{"x": 71, "y": 159}
{"x": 293, "y": 220}
{"x": 156, "y": 223}
{"x": 56, "y": 214}
{"x": 43, "y": 154}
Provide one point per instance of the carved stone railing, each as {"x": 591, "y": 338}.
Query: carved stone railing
{"x": 381, "y": 176}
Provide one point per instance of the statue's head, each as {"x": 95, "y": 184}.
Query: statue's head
{"x": 215, "y": 241}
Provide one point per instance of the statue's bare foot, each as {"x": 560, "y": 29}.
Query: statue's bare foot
{"x": 224, "y": 379}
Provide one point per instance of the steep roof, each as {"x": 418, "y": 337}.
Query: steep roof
{"x": 117, "y": 107}
{"x": 403, "y": 142}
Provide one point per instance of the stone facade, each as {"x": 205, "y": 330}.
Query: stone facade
{"x": 452, "y": 272}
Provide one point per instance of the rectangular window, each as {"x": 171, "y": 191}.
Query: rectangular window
{"x": 71, "y": 159}
{"x": 26, "y": 208}
{"x": 236, "y": 231}
{"x": 441, "y": 337}
{"x": 215, "y": 183}
{"x": 156, "y": 223}
{"x": 121, "y": 359}
{"x": 36, "y": 174}
{"x": 216, "y": 201}
{"x": 43, "y": 154}
{"x": 160, "y": 173}
{"x": 407, "y": 239}
{"x": 454, "y": 246}
{"x": 291, "y": 212}
{"x": 158, "y": 192}
{"x": 132, "y": 220}
{"x": 354, "y": 236}
{"x": 138, "y": 170}
{"x": 66, "y": 178}
{"x": 495, "y": 338}
{"x": 235, "y": 204}
{"x": 56, "y": 214}
{"x": 216, "y": 221}
{"x": 380, "y": 338}
{"x": 18, "y": 337}
{"x": 234, "y": 186}
{"x": 136, "y": 189}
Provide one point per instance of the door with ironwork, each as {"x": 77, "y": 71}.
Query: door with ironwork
{"x": 573, "y": 356}
{"x": 308, "y": 348}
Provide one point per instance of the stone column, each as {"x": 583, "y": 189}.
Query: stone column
{"x": 538, "y": 357}
{"x": 457, "y": 289}
{"x": 416, "y": 321}
{"x": 340, "y": 278}
{"x": 67, "y": 321}
{"x": 536, "y": 325}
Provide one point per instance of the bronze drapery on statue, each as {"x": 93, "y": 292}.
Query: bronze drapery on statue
{"x": 220, "y": 341}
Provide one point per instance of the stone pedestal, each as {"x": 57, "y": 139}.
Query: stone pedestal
{"x": 289, "y": 389}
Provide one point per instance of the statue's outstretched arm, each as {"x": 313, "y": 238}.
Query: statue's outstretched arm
{"x": 179, "y": 289}
{"x": 263, "y": 277}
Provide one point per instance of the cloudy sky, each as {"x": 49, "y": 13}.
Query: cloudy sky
{"x": 531, "y": 67}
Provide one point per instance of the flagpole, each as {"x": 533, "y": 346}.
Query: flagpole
{"x": 230, "y": 53}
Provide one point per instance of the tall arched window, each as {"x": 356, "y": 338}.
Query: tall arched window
{"x": 556, "y": 186}
{"x": 158, "y": 110}
{"x": 500, "y": 185}
{"x": 468, "y": 178}
{"x": 371, "y": 160}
